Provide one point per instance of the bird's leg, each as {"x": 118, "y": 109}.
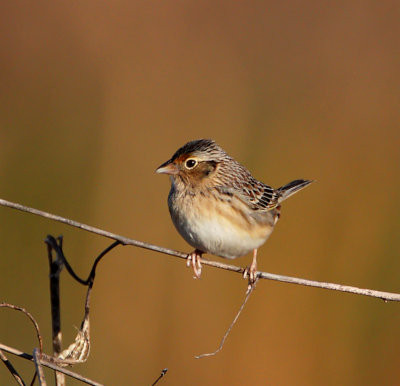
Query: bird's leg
{"x": 252, "y": 270}
{"x": 193, "y": 259}
{"x": 253, "y": 267}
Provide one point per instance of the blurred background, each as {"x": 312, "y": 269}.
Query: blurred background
{"x": 95, "y": 95}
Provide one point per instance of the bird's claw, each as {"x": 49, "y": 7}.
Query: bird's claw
{"x": 251, "y": 274}
{"x": 193, "y": 259}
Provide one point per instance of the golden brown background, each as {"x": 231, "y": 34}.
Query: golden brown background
{"x": 95, "y": 95}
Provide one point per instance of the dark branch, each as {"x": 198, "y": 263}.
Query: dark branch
{"x": 56, "y": 265}
{"x": 11, "y": 369}
{"x": 163, "y": 372}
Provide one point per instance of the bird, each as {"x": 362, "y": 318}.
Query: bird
{"x": 218, "y": 207}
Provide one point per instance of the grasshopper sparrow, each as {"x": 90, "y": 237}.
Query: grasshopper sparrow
{"x": 217, "y": 206}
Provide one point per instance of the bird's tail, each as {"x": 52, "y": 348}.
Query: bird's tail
{"x": 291, "y": 188}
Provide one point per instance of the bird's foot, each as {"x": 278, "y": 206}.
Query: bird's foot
{"x": 193, "y": 259}
{"x": 251, "y": 272}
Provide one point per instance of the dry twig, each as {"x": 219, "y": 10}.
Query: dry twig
{"x": 248, "y": 293}
{"x": 39, "y": 368}
{"x": 163, "y": 372}
{"x": 31, "y": 318}
{"x": 386, "y": 296}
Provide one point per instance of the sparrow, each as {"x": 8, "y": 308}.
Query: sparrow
{"x": 218, "y": 207}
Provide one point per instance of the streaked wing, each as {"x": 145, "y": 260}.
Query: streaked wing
{"x": 261, "y": 196}
{"x": 255, "y": 194}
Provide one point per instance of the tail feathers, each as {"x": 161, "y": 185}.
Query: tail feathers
{"x": 291, "y": 188}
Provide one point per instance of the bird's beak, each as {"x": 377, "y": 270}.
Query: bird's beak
{"x": 167, "y": 168}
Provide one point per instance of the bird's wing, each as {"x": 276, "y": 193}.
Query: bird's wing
{"x": 257, "y": 195}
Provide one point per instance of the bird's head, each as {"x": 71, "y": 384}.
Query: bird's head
{"x": 194, "y": 162}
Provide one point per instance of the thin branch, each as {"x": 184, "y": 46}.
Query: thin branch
{"x": 34, "y": 378}
{"x": 32, "y": 319}
{"x": 386, "y": 296}
{"x": 57, "y": 246}
{"x": 123, "y": 240}
{"x": 71, "y": 374}
{"x": 250, "y": 290}
{"x": 16, "y": 352}
{"x": 11, "y": 369}
{"x": 55, "y": 266}
{"x": 163, "y": 372}
{"x": 39, "y": 368}
{"x": 46, "y": 362}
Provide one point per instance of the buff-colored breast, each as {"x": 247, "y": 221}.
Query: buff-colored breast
{"x": 222, "y": 228}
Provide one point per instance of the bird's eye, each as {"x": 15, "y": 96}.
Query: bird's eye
{"x": 190, "y": 163}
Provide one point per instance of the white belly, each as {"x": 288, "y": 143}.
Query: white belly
{"x": 214, "y": 227}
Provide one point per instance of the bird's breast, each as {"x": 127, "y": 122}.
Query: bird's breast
{"x": 216, "y": 225}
